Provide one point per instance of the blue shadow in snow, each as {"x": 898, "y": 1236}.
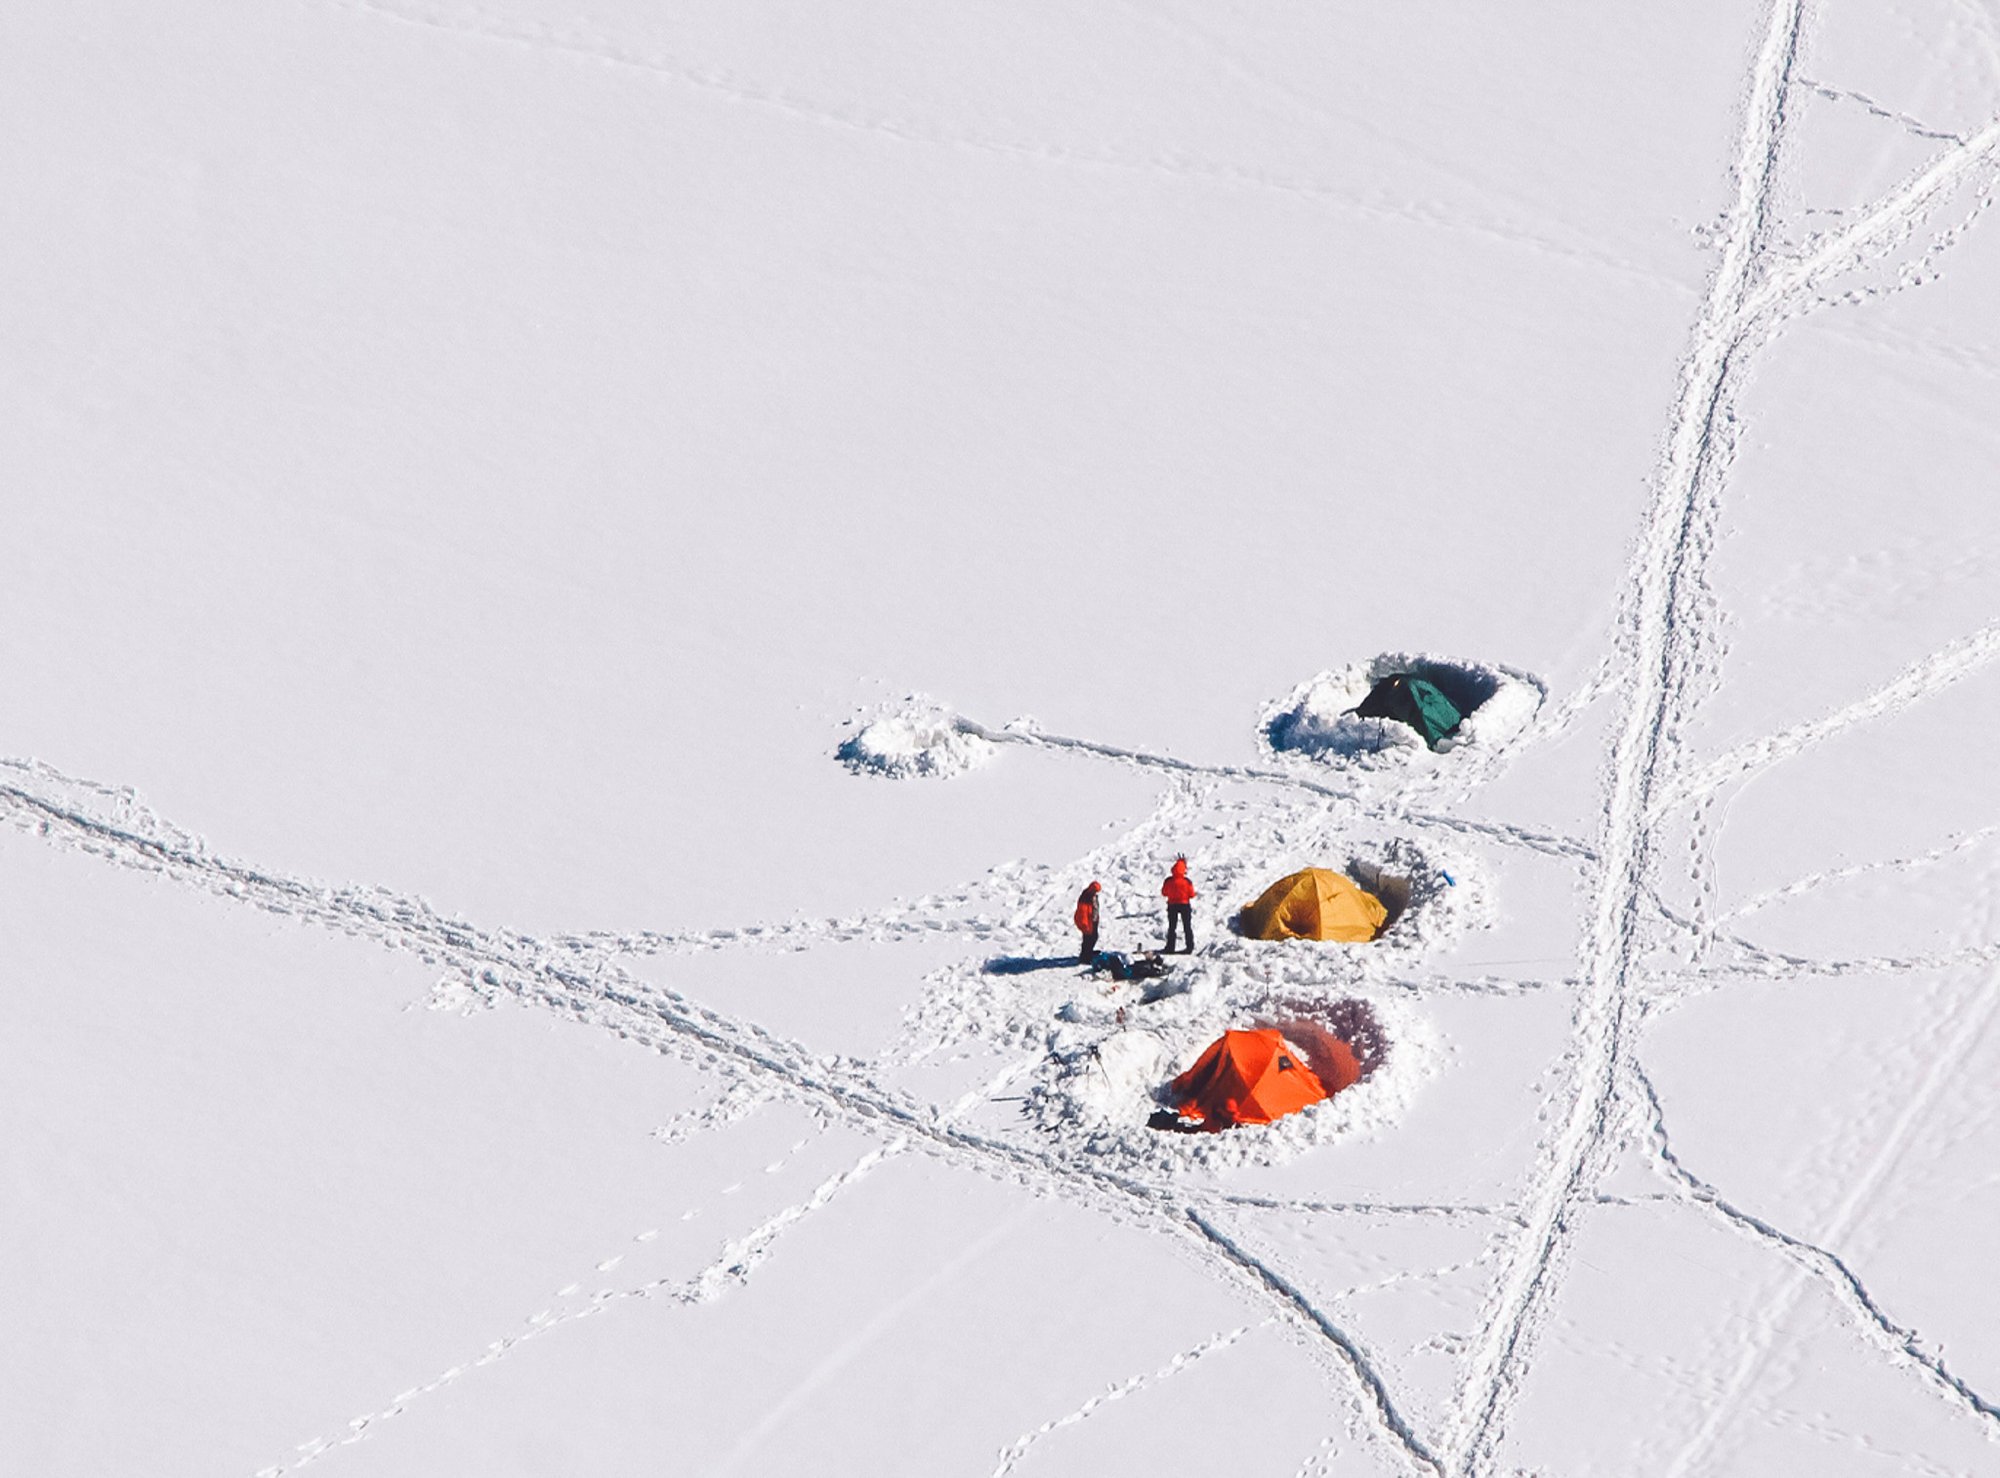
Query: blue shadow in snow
{"x": 1023, "y": 964}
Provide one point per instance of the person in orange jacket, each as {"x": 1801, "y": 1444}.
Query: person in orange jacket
{"x": 1180, "y": 896}
{"x": 1087, "y": 915}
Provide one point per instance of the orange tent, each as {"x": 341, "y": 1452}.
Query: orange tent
{"x": 1246, "y": 1078}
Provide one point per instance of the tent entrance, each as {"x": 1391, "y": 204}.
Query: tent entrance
{"x": 1416, "y": 701}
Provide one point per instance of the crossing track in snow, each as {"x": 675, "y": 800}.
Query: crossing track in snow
{"x": 1288, "y": 1295}
{"x": 1811, "y": 1260}
{"x": 1666, "y": 601}
{"x": 733, "y": 1266}
{"x": 1502, "y": 832}
{"x": 589, "y": 986}
{"x": 1010, "y": 1458}
{"x": 1790, "y": 285}
{"x": 1948, "y": 665}
{"x": 1666, "y": 640}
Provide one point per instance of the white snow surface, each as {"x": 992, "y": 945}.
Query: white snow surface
{"x": 467, "y": 1004}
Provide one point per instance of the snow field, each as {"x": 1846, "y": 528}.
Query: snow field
{"x": 480, "y": 454}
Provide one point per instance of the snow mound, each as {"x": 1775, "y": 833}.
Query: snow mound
{"x": 919, "y": 737}
{"x": 1315, "y": 720}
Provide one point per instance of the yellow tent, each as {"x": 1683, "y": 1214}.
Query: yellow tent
{"x": 1315, "y": 904}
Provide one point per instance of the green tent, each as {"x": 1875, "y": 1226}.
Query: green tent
{"x": 1412, "y": 701}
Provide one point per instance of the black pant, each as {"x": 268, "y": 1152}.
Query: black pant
{"x": 1089, "y": 950}
{"x": 1182, "y": 914}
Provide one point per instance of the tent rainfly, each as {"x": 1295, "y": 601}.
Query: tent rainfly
{"x": 1413, "y": 701}
{"x": 1246, "y": 1077}
{"x": 1315, "y": 904}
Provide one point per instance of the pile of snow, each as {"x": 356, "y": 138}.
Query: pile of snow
{"x": 1316, "y": 720}
{"x": 917, "y": 737}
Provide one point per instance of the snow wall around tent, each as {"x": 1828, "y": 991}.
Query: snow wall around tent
{"x": 1314, "y": 720}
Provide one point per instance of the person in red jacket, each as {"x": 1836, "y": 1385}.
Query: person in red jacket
{"x": 1087, "y": 915}
{"x": 1180, "y": 896}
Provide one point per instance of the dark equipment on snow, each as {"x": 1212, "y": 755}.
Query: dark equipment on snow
{"x": 1146, "y": 965}
{"x": 1413, "y": 701}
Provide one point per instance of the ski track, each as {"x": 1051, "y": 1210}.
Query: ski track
{"x": 1665, "y": 598}
{"x": 734, "y": 1267}
{"x": 1900, "y": 1344}
{"x": 1948, "y": 665}
{"x": 1775, "y": 967}
{"x": 1011, "y": 1455}
{"x": 1449, "y": 1210}
{"x": 1670, "y": 619}
{"x": 1813, "y": 881}
{"x": 1792, "y": 287}
{"x": 1961, "y": 1033}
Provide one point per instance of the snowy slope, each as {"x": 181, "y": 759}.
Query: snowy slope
{"x": 502, "y": 975}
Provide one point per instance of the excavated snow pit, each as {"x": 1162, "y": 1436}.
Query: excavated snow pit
{"x": 918, "y": 737}
{"x": 1341, "y": 1041}
{"x": 1402, "y": 877}
{"x": 1316, "y": 720}
{"x": 1103, "y": 1097}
